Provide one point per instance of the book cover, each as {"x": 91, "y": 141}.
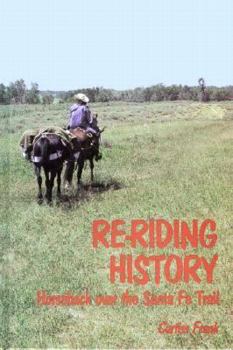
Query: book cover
{"x": 116, "y": 174}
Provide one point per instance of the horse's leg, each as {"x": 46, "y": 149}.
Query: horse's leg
{"x": 47, "y": 183}
{"x": 59, "y": 182}
{"x": 39, "y": 181}
{"x": 92, "y": 169}
{"x": 51, "y": 183}
{"x": 80, "y": 169}
{"x": 69, "y": 173}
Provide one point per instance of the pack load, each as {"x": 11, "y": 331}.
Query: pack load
{"x": 72, "y": 138}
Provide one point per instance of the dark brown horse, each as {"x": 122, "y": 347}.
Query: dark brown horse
{"x": 89, "y": 151}
{"x": 49, "y": 152}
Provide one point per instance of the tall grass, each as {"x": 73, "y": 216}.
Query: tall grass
{"x": 172, "y": 160}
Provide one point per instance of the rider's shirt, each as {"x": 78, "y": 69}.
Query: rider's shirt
{"x": 80, "y": 116}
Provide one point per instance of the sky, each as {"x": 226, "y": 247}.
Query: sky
{"x": 119, "y": 44}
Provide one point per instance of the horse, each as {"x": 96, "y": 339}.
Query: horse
{"x": 49, "y": 152}
{"x": 89, "y": 150}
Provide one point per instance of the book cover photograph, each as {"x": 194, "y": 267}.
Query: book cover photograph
{"x": 116, "y": 174}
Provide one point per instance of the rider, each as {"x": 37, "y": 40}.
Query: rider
{"x": 81, "y": 116}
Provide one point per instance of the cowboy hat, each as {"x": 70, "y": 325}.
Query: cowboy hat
{"x": 81, "y": 97}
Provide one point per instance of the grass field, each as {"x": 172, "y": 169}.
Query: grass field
{"x": 172, "y": 160}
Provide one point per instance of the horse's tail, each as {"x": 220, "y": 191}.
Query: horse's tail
{"x": 44, "y": 147}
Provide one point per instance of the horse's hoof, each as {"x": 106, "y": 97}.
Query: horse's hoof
{"x": 67, "y": 186}
{"x": 48, "y": 200}
{"x": 98, "y": 157}
{"x": 58, "y": 202}
{"x": 80, "y": 184}
{"x": 40, "y": 198}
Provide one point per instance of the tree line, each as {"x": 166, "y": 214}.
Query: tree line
{"x": 17, "y": 92}
{"x": 155, "y": 93}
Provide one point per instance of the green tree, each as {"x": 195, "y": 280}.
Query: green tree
{"x": 47, "y": 99}
{"x": 17, "y": 91}
{"x": 32, "y": 95}
{"x": 2, "y": 94}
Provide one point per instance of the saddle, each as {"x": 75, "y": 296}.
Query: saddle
{"x": 81, "y": 134}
